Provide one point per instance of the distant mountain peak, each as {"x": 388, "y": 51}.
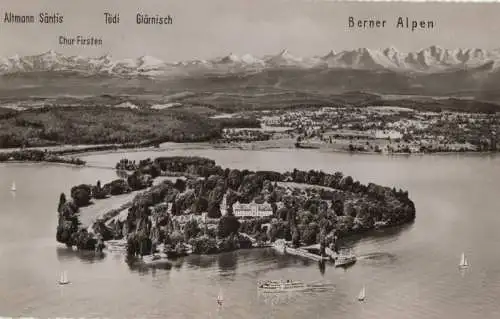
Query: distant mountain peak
{"x": 430, "y": 59}
{"x": 330, "y": 54}
{"x": 50, "y": 53}
{"x": 391, "y": 50}
{"x": 284, "y": 52}
{"x": 231, "y": 57}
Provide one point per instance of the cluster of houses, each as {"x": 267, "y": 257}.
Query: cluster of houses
{"x": 393, "y": 124}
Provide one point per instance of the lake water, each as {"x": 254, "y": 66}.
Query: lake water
{"x": 409, "y": 272}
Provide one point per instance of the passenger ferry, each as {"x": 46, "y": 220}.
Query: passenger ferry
{"x": 281, "y": 286}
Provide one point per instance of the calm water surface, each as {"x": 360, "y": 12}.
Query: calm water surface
{"x": 409, "y": 272}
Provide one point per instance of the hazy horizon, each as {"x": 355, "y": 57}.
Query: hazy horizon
{"x": 204, "y": 30}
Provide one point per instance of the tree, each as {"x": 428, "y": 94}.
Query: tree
{"x": 152, "y": 169}
{"x": 234, "y": 179}
{"x": 62, "y": 201}
{"x": 310, "y": 233}
{"x": 191, "y": 229}
{"x": 313, "y": 208}
{"x": 200, "y": 205}
{"x": 228, "y": 225}
{"x": 81, "y": 195}
{"x": 296, "y": 237}
{"x": 213, "y": 210}
{"x": 180, "y": 185}
{"x": 116, "y": 187}
{"x": 138, "y": 181}
{"x": 204, "y": 245}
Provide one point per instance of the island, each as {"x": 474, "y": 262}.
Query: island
{"x": 192, "y": 204}
{"x": 38, "y": 155}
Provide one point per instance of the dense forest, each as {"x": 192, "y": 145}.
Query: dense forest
{"x": 103, "y": 125}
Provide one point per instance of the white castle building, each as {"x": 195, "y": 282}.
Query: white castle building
{"x": 247, "y": 210}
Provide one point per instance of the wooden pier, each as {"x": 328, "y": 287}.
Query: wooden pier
{"x": 283, "y": 247}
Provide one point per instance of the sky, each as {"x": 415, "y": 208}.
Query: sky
{"x": 204, "y": 29}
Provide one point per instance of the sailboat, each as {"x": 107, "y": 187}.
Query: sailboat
{"x": 220, "y": 299}
{"x": 13, "y": 187}
{"x": 362, "y": 294}
{"x": 463, "y": 262}
{"x": 64, "y": 278}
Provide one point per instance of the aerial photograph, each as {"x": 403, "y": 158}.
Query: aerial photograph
{"x": 249, "y": 159}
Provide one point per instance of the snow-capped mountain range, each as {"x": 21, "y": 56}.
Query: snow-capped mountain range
{"x": 428, "y": 60}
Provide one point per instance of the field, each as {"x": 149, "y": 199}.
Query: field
{"x": 43, "y": 110}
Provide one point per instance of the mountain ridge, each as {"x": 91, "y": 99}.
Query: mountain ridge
{"x": 433, "y": 59}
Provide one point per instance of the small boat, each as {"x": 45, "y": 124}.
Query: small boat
{"x": 281, "y": 286}
{"x": 280, "y": 246}
{"x": 362, "y": 294}
{"x": 64, "y": 278}
{"x": 177, "y": 252}
{"x": 463, "y": 262}
{"x": 345, "y": 259}
{"x": 13, "y": 187}
{"x": 220, "y": 299}
{"x": 156, "y": 260}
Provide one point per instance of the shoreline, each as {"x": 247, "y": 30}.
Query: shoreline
{"x": 256, "y": 147}
{"x": 62, "y": 156}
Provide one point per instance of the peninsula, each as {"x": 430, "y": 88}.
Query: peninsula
{"x": 191, "y": 201}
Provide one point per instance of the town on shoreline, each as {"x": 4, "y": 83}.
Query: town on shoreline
{"x": 375, "y": 129}
{"x": 359, "y": 128}
{"x": 182, "y": 205}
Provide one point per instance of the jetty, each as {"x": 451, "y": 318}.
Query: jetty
{"x": 285, "y": 248}
{"x": 255, "y": 242}
{"x": 252, "y": 240}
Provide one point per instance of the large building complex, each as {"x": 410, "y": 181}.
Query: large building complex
{"x": 252, "y": 209}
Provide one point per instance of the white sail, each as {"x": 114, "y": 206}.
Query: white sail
{"x": 220, "y": 298}
{"x": 64, "y": 278}
{"x": 463, "y": 261}
{"x": 361, "y": 295}
{"x": 13, "y": 187}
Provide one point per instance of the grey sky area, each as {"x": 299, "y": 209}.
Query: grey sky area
{"x": 205, "y": 29}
